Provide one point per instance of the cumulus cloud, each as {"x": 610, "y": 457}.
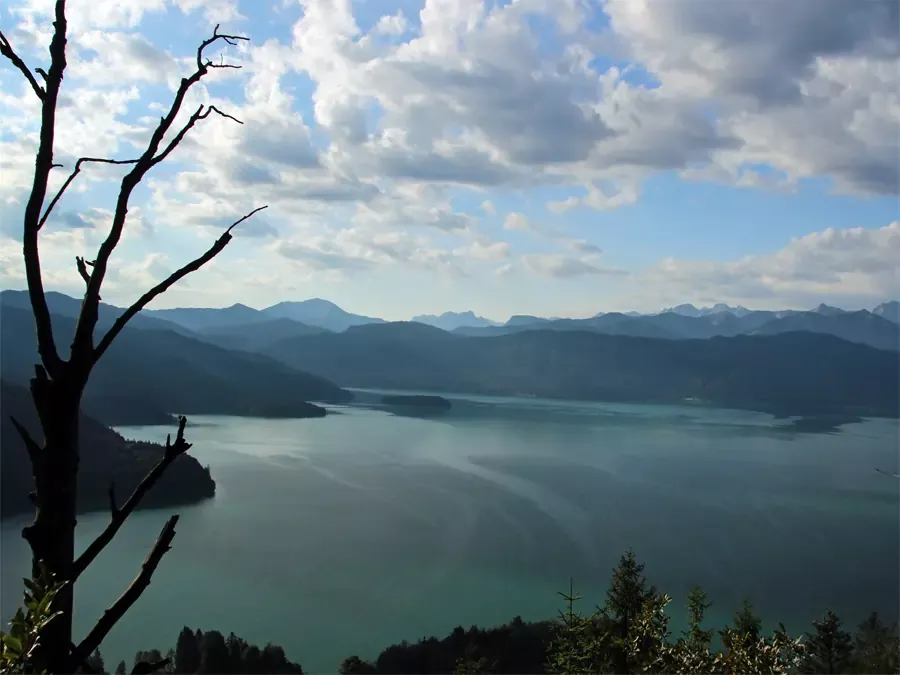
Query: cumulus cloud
{"x": 806, "y": 86}
{"x": 855, "y": 266}
{"x": 420, "y": 127}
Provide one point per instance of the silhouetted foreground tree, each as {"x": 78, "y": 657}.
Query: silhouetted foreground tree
{"x": 58, "y": 382}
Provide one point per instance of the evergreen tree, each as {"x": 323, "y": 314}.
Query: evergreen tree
{"x": 575, "y": 648}
{"x": 252, "y": 660}
{"x": 744, "y": 636}
{"x": 213, "y": 653}
{"x": 95, "y": 663}
{"x": 876, "y": 647}
{"x": 187, "y": 652}
{"x": 625, "y": 599}
{"x": 236, "y": 647}
{"x": 122, "y": 668}
{"x": 693, "y": 651}
{"x": 354, "y": 665}
{"x": 747, "y": 623}
{"x": 829, "y": 649}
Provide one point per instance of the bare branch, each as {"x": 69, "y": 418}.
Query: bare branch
{"x": 7, "y": 51}
{"x": 82, "y": 345}
{"x": 119, "y": 515}
{"x": 43, "y": 165}
{"x": 213, "y": 108}
{"x": 163, "y": 286}
{"x": 229, "y": 39}
{"x": 71, "y": 177}
{"x": 30, "y": 444}
{"x": 200, "y": 114}
{"x": 112, "y": 615}
{"x": 82, "y": 269}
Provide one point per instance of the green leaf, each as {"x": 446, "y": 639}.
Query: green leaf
{"x": 12, "y": 644}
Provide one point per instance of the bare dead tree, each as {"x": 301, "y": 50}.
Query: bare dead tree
{"x": 58, "y": 383}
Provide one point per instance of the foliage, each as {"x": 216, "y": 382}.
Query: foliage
{"x": 632, "y": 630}
{"x": 829, "y": 649}
{"x": 576, "y": 644}
{"x": 20, "y": 649}
{"x": 876, "y": 647}
{"x": 210, "y": 652}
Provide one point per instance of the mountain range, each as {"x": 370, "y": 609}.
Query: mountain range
{"x": 245, "y": 328}
{"x": 196, "y": 361}
{"x": 862, "y": 326}
{"x": 154, "y": 370}
{"x": 791, "y": 373}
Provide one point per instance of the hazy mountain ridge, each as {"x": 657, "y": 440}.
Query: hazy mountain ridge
{"x": 786, "y": 364}
{"x": 452, "y": 320}
{"x": 795, "y": 373}
{"x": 863, "y": 327}
{"x": 149, "y": 373}
{"x": 318, "y": 312}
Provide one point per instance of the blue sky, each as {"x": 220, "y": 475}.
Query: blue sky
{"x": 551, "y": 157}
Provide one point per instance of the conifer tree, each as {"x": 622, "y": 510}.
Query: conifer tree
{"x": 625, "y": 599}
{"x": 829, "y": 649}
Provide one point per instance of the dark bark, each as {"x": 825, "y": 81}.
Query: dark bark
{"x": 52, "y": 534}
{"x": 58, "y": 384}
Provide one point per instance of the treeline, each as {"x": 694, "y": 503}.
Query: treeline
{"x": 628, "y": 634}
{"x": 210, "y": 652}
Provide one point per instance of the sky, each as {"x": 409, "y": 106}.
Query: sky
{"x": 547, "y": 157}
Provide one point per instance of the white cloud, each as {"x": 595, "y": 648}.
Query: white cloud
{"x": 392, "y": 24}
{"x": 417, "y": 130}
{"x": 855, "y": 266}
{"x": 563, "y": 267}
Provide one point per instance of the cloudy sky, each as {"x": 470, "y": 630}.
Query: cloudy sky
{"x": 551, "y": 157}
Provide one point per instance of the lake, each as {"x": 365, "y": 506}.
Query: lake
{"x": 341, "y": 535}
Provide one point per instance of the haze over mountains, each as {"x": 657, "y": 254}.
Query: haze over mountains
{"x": 245, "y": 328}
{"x": 242, "y": 361}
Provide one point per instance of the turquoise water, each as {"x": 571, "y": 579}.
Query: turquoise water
{"x": 344, "y": 534}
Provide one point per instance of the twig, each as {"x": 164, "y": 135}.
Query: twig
{"x": 7, "y": 51}
{"x": 119, "y": 515}
{"x": 33, "y": 448}
{"x": 200, "y": 114}
{"x": 71, "y": 177}
{"x": 82, "y": 344}
{"x": 163, "y": 286}
{"x": 82, "y": 269}
{"x": 229, "y": 39}
{"x": 112, "y": 615}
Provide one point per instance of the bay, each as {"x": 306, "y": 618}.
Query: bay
{"x": 341, "y": 535}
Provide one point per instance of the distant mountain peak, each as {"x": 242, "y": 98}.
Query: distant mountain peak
{"x": 889, "y": 310}
{"x": 318, "y": 312}
{"x": 452, "y": 320}
{"x": 688, "y": 309}
{"x": 829, "y": 310}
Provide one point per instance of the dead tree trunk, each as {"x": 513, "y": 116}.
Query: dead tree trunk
{"x": 58, "y": 384}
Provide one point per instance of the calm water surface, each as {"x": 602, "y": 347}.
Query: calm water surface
{"x": 345, "y": 534}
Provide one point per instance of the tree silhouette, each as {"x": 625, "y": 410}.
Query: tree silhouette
{"x": 59, "y": 382}
{"x": 628, "y": 592}
{"x": 829, "y": 648}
